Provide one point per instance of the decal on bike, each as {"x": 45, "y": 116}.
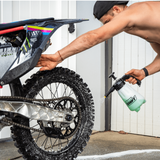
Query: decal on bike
{"x": 28, "y": 42}
{"x": 31, "y": 42}
{"x": 45, "y": 31}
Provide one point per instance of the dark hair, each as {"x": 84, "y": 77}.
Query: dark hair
{"x": 102, "y": 7}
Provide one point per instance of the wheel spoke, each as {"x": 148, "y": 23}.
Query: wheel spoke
{"x": 65, "y": 90}
{"x": 35, "y": 125}
{"x": 51, "y": 143}
{"x": 59, "y": 148}
{"x": 54, "y": 143}
{"x": 71, "y": 93}
{"x": 51, "y": 90}
{"x": 56, "y": 92}
{"x": 39, "y": 136}
{"x": 41, "y": 94}
{"x": 59, "y": 144}
{"x": 52, "y": 94}
{"x": 44, "y": 141}
{"x": 67, "y": 141}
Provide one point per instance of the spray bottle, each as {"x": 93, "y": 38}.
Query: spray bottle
{"x": 131, "y": 98}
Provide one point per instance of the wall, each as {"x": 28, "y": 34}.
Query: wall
{"x": 90, "y": 63}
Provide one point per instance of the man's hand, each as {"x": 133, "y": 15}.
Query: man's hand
{"x": 49, "y": 61}
{"x": 139, "y": 74}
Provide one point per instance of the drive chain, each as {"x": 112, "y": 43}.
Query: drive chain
{"x": 7, "y": 120}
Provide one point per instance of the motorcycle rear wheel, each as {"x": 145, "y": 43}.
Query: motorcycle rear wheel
{"x": 59, "y": 82}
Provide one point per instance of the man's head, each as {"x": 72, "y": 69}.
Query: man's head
{"x": 106, "y": 10}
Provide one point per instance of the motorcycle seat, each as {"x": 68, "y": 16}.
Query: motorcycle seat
{"x": 22, "y": 23}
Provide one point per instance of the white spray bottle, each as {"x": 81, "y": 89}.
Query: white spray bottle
{"x": 131, "y": 98}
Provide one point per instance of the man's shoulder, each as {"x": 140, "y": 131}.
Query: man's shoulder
{"x": 139, "y": 10}
{"x": 139, "y": 13}
{"x": 148, "y": 5}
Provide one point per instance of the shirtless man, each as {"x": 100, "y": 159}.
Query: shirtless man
{"x": 140, "y": 19}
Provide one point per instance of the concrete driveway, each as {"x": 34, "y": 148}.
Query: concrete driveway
{"x": 104, "y": 146}
{"x": 116, "y": 146}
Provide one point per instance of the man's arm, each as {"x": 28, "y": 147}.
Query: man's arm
{"x": 155, "y": 65}
{"x": 86, "y": 41}
{"x": 152, "y": 68}
{"x": 131, "y": 16}
{"x": 94, "y": 37}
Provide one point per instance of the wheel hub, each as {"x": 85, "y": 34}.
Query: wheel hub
{"x": 63, "y": 130}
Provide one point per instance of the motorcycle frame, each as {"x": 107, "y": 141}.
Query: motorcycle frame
{"x": 12, "y": 77}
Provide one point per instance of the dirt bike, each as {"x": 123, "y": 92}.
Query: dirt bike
{"x": 52, "y": 114}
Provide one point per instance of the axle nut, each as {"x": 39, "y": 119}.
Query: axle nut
{"x": 68, "y": 117}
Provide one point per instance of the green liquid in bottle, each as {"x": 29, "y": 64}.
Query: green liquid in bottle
{"x": 133, "y": 103}
{"x": 131, "y": 98}
{"x": 136, "y": 105}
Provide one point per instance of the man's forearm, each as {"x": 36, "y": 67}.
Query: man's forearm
{"x": 154, "y": 66}
{"x": 80, "y": 44}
